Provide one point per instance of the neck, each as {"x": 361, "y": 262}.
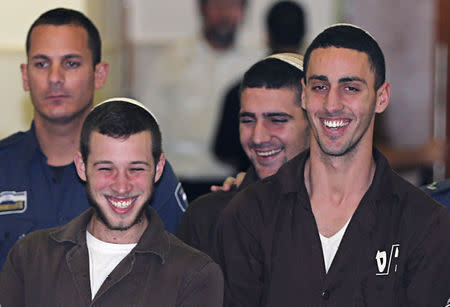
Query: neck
{"x": 59, "y": 142}
{"x": 337, "y": 179}
{"x": 132, "y": 235}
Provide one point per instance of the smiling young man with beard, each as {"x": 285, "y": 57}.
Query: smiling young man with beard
{"x": 116, "y": 253}
{"x": 336, "y": 226}
{"x": 273, "y": 129}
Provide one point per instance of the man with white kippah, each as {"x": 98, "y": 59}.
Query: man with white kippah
{"x": 117, "y": 252}
{"x": 39, "y": 186}
{"x": 335, "y": 226}
{"x": 273, "y": 129}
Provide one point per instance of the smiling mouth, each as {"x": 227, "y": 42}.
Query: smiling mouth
{"x": 269, "y": 153}
{"x": 121, "y": 203}
{"x": 335, "y": 124}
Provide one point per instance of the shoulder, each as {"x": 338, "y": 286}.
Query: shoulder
{"x": 210, "y": 203}
{"x": 187, "y": 258}
{"x": 169, "y": 190}
{"x": 440, "y": 191}
{"x": 418, "y": 210}
{"x": 13, "y": 141}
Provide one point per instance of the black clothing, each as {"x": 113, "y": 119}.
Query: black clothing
{"x": 395, "y": 250}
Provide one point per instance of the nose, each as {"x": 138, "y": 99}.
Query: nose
{"x": 121, "y": 184}
{"x": 333, "y": 102}
{"x": 56, "y": 74}
{"x": 260, "y": 133}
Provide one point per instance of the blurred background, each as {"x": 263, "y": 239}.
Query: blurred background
{"x": 413, "y": 34}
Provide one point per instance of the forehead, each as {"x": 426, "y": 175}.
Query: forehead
{"x": 335, "y": 62}
{"x": 51, "y": 39}
{"x": 137, "y": 146}
{"x": 259, "y": 100}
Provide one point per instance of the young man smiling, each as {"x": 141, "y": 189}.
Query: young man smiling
{"x": 336, "y": 226}
{"x": 100, "y": 257}
{"x": 273, "y": 129}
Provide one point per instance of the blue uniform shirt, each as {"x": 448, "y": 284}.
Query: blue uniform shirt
{"x": 440, "y": 191}
{"x": 32, "y": 196}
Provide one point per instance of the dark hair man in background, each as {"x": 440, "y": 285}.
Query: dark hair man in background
{"x": 336, "y": 224}
{"x": 39, "y": 186}
{"x": 273, "y": 129}
{"x": 285, "y": 27}
{"x": 117, "y": 252}
{"x": 185, "y": 89}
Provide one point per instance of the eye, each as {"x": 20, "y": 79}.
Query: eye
{"x": 279, "y": 120}
{"x": 351, "y": 89}
{"x": 246, "y": 120}
{"x": 41, "y": 64}
{"x": 104, "y": 169}
{"x": 318, "y": 87}
{"x": 72, "y": 64}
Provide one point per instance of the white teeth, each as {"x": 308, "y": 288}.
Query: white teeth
{"x": 335, "y": 123}
{"x": 268, "y": 153}
{"x": 121, "y": 204}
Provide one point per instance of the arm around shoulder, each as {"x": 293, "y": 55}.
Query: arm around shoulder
{"x": 203, "y": 288}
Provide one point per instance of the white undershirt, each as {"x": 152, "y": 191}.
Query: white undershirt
{"x": 330, "y": 245}
{"x": 103, "y": 258}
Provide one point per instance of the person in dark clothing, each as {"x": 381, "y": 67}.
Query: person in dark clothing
{"x": 273, "y": 129}
{"x": 285, "y": 27}
{"x": 336, "y": 226}
{"x": 116, "y": 253}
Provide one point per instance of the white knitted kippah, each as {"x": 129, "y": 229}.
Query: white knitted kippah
{"x": 128, "y": 100}
{"x": 294, "y": 59}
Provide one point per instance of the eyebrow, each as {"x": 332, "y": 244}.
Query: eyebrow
{"x": 65, "y": 57}
{"x": 341, "y": 80}
{"x": 277, "y": 114}
{"x": 246, "y": 114}
{"x": 352, "y": 79}
{"x": 266, "y": 114}
{"x": 109, "y": 162}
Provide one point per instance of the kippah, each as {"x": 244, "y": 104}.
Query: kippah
{"x": 294, "y": 59}
{"x": 128, "y": 100}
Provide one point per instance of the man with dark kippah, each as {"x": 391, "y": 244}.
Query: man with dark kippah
{"x": 273, "y": 129}
{"x": 39, "y": 186}
{"x": 335, "y": 226}
{"x": 117, "y": 252}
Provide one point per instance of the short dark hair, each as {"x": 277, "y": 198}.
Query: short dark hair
{"x": 63, "y": 16}
{"x": 351, "y": 37}
{"x": 120, "y": 119}
{"x": 273, "y": 74}
{"x": 285, "y": 22}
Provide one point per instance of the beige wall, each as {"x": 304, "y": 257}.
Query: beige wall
{"x": 16, "y": 17}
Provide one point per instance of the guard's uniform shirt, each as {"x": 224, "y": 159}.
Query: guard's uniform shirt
{"x": 395, "y": 250}
{"x": 440, "y": 191}
{"x": 33, "y": 196}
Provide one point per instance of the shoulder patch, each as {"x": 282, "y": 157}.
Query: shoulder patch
{"x": 13, "y": 202}
{"x": 181, "y": 197}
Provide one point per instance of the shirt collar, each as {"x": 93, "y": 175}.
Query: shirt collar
{"x": 154, "y": 240}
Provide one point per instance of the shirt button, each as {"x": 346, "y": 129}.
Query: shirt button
{"x": 325, "y": 294}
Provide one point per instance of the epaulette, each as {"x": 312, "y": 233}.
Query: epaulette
{"x": 437, "y": 187}
{"x": 12, "y": 139}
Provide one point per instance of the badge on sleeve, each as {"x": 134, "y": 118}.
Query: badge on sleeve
{"x": 13, "y": 202}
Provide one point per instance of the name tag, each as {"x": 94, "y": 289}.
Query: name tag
{"x": 13, "y": 202}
